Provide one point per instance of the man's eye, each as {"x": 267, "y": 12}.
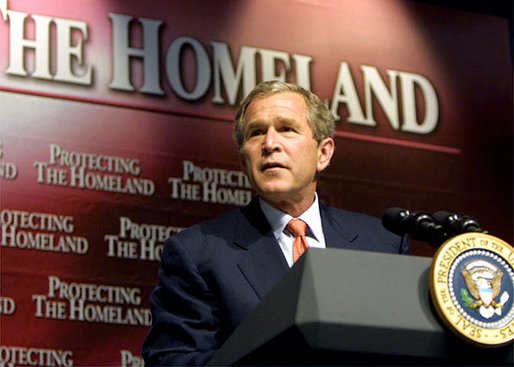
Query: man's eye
{"x": 255, "y": 132}
{"x": 286, "y": 129}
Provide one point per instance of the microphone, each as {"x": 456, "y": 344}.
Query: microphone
{"x": 457, "y": 224}
{"x": 420, "y": 226}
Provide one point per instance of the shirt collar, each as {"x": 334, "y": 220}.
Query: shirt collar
{"x": 278, "y": 219}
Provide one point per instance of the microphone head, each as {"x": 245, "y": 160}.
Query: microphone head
{"x": 457, "y": 224}
{"x": 421, "y": 226}
{"x": 396, "y": 220}
{"x": 425, "y": 228}
{"x": 445, "y": 218}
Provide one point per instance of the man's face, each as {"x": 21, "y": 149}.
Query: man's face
{"x": 279, "y": 154}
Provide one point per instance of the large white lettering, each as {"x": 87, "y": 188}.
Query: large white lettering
{"x": 210, "y": 185}
{"x": 40, "y": 231}
{"x": 7, "y": 306}
{"x": 8, "y": 170}
{"x": 23, "y": 356}
{"x": 274, "y": 64}
{"x": 345, "y": 92}
{"x": 122, "y": 54}
{"x": 210, "y": 67}
{"x": 128, "y": 359}
{"x": 87, "y": 302}
{"x": 68, "y": 54}
{"x": 139, "y": 241}
{"x": 91, "y": 171}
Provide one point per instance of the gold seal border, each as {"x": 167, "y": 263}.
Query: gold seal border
{"x": 440, "y": 292}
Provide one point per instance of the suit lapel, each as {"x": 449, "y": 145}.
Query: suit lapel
{"x": 336, "y": 233}
{"x": 263, "y": 265}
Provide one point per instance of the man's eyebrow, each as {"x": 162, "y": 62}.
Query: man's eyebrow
{"x": 278, "y": 119}
{"x": 287, "y": 120}
{"x": 255, "y": 123}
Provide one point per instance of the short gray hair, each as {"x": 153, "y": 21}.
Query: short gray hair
{"x": 320, "y": 119}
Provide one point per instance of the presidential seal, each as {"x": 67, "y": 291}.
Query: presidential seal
{"x": 472, "y": 288}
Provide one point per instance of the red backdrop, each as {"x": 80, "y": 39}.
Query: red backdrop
{"x": 94, "y": 176}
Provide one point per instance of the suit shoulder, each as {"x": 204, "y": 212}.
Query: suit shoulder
{"x": 198, "y": 238}
{"x": 367, "y": 229}
{"x": 221, "y": 225}
{"x": 346, "y": 215}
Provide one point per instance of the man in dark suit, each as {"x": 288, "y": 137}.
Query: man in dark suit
{"x": 213, "y": 274}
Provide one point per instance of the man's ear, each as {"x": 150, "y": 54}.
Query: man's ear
{"x": 325, "y": 152}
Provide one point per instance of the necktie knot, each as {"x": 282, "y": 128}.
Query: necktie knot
{"x": 298, "y": 228}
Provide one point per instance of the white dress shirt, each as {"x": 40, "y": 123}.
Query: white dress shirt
{"x": 278, "y": 221}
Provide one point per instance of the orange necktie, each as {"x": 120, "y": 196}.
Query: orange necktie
{"x": 298, "y": 228}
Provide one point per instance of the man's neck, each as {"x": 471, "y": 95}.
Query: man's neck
{"x": 293, "y": 208}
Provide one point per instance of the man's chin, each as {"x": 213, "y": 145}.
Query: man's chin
{"x": 273, "y": 194}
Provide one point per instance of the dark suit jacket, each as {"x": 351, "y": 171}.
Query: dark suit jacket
{"x": 214, "y": 273}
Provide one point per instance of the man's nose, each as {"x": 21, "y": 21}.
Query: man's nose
{"x": 271, "y": 140}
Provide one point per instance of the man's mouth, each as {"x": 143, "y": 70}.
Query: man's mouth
{"x": 271, "y": 165}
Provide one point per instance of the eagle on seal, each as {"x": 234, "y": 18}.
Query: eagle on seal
{"x": 483, "y": 281}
